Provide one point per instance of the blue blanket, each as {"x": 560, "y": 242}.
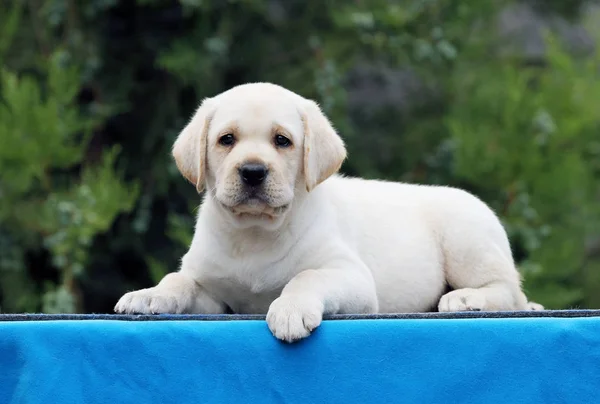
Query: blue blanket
{"x": 498, "y": 358}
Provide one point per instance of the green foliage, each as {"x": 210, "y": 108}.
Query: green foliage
{"x": 92, "y": 95}
{"x": 36, "y": 128}
{"x": 528, "y": 140}
{"x": 43, "y": 134}
{"x": 72, "y": 219}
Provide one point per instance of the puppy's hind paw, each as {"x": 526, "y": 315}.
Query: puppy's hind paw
{"x": 533, "y": 306}
{"x": 462, "y": 300}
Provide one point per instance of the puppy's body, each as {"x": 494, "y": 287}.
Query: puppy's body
{"x": 278, "y": 234}
{"x": 413, "y": 240}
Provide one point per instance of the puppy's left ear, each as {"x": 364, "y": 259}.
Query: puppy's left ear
{"x": 189, "y": 149}
{"x": 324, "y": 150}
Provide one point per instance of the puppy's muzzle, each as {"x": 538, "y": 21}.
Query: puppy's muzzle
{"x": 253, "y": 174}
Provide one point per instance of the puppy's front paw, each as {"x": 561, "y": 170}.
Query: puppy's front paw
{"x": 291, "y": 318}
{"x": 150, "y": 301}
{"x": 463, "y": 300}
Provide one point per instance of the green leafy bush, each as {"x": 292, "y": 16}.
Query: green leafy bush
{"x": 42, "y": 204}
{"x": 527, "y": 138}
{"x": 93, "y": 94}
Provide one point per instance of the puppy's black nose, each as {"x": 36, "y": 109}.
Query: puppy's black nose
{"x": 253, "y": 174}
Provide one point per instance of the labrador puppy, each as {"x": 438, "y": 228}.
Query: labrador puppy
{"x": 279, "y": 232}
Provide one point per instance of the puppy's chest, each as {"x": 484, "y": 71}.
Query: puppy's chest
{"x": 242, "y": 300}
{"x": 247, "y": 290}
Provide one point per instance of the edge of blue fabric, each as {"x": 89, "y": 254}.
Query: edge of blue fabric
{"x": 474, "y": 357}
{"x": 238, "y": 317}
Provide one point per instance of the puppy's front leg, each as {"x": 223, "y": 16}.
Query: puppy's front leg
{"x": 176, "y": 293}
{"x": 315, "y": 292}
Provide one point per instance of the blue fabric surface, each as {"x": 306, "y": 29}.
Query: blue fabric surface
{"x": 482, "y": 360}
{"x": 230, "y": 317}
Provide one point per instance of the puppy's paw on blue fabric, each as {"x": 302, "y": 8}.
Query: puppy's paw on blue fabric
{"x": 150, "y": 301}
{"x": 463, "y": 300}
{"x": 533, "y": 306}
{"x": 291, "y": 318}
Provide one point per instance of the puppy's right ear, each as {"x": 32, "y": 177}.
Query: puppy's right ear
{"x": 189, "y": 149}
{"x": 324, "y": 150}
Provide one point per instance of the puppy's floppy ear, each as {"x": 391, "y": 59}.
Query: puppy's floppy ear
{"x": 189, "y": 149}
{"x": 324, "y": 150}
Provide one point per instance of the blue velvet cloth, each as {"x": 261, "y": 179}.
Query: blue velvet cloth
{"x": 414, "y": 359}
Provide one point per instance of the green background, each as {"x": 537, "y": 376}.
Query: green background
{"x": 501, "y": 98}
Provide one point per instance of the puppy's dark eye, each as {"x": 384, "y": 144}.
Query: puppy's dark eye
{"x": 227, "y": 140}
{"x": 282, "y": 141}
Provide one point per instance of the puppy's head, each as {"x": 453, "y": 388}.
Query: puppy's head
{"x": 255, "y": 147}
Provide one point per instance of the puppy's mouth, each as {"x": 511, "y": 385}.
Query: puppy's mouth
{"x": 257, "y": 208}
